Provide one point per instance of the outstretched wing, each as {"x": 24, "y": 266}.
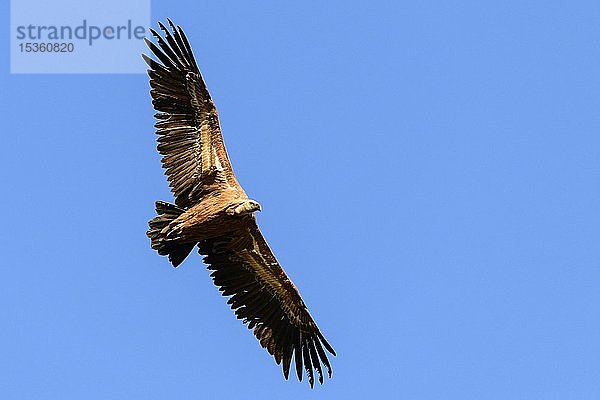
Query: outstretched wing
{"x": 190, "y": 140}
{"x": 263, "y": 296}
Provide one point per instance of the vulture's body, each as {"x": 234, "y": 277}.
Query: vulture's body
{"x": 213, "y": 212}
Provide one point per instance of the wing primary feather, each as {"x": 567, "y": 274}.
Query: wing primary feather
{"x": 315, "y": 358}
{"x": 325, "y": 343}
{"x": 323, "y": 357}
{"x": 298, "y": 354}
{"x": 307, "y": 363}
{"x": 158, "y": 53}
{"x": 288, "y": 348}
{"x": 151, "y": 63}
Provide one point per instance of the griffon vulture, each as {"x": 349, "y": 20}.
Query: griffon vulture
{"x": 212, "y": 211}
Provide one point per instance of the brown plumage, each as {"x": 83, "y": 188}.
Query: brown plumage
{"x": 212, "y": 211}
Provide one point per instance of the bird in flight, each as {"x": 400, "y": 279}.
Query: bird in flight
{"x": 213, "y": 212}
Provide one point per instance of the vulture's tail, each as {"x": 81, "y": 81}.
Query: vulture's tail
{"x": 173, "y": 248}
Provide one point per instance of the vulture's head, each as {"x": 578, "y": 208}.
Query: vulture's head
{"x": 245, "y": 207}
{"x": 254, "y": 206}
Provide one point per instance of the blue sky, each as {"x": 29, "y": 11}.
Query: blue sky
{"x": 429, "y": 175}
